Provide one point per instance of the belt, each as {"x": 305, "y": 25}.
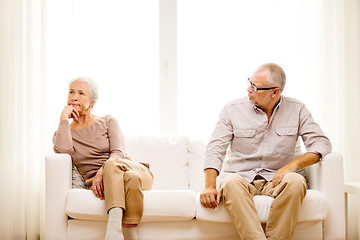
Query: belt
{"x": 258, "y": 177}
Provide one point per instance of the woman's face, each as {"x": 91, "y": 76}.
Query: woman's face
{"x": 79, "y": 97}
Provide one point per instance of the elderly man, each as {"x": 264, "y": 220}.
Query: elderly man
{"x": 262, "y": 131}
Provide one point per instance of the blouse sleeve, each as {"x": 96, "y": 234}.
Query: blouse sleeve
{"x": 62, "y": 138}
{"x": 116, "y": 140}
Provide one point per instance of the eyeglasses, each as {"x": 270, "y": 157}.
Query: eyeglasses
{"x": 255, "y": 89}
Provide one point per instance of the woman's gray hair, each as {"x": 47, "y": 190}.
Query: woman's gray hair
{"x": 94, "y": 91}
{"x": 276, "y": 75}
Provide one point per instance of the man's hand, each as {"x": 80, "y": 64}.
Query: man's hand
{"x": 97, "y": 185}
{"x": 210, "y": 198}
{"x": 304, "y": 160}
{"x": 279, "y": 175}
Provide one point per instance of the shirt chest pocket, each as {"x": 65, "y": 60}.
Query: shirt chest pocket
{"x": 286, "y": 140}
{"x": 244, "y": 141}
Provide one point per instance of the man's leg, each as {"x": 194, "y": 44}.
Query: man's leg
{"x": 284, "y": 211}
{"x": 238, "y": 194}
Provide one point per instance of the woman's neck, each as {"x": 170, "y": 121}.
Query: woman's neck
{"x": 83, "y": 121}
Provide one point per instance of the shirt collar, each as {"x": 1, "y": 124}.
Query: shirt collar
{"x": 257, "y": 109}
{"x": 278, "y": 103}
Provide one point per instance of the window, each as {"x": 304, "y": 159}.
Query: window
{"x": 220, "y": 44}
{"x": 117, "y": 44}
{"x": 206, "y": 50}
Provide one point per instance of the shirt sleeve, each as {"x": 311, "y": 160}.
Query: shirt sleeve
{"x": 116, "y": 140}
{"x": 62, "y": 138}
{"x": 219, "y": 142}
{"x": 313, "y": 137}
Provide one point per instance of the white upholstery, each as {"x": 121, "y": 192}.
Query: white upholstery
{"x": 314, "y": 208}
{"x": 168, "y": 158}
{"x": 196, "y": 165}
{"x": 172, "y": 209}
{"x": 159, "y": 205}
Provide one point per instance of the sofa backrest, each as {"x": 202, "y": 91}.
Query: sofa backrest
{"x": 197, "y": 151}
{"x": 176, "y": 162}
{"x": 168, "y": 158}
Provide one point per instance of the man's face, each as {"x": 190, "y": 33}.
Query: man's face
{"x": 261, "y": 98}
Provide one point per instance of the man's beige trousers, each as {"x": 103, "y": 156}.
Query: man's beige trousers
{"x": 238, "y": 194}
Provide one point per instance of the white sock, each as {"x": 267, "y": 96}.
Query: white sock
{"x": 131, "y": 233}
{"x": 113, "y": 229}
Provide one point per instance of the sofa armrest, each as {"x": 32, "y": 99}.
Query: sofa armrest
{"x": 57, "y": 185}
{"x": 327, "y": 176}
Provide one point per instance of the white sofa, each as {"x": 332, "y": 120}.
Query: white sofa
{"x": 172, "y": 209}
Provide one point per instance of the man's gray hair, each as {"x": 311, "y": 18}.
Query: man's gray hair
{"x": 276, "y": 77}
{"x": 94, "y": 91}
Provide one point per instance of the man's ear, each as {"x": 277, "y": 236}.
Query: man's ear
{"x": 276, "y": 92}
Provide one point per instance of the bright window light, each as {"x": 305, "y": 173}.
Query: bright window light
{"x": 117, "y": 44}
{"x": 221, "y": 43}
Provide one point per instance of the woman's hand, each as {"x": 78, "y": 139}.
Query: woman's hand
{"x": 69, "y": 112}
{"x": 97, "y": 185}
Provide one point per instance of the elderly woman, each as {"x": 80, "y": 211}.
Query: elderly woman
{"x": 97, "y": 147}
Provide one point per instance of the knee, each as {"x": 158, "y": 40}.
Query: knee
{"x": 295, "y": 181}
{"x": 231, "y": 181}
{"x": 108, "y": 165}
{"x": 132, "y": 178}
{"x": 116, "y": 165}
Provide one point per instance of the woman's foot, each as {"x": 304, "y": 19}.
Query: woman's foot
{"x": 130, "y": 233}
{"x": 113, "y": 229}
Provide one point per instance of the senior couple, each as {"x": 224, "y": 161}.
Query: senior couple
{"x": 261, "y": 131}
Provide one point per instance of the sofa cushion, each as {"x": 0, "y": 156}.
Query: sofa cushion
{"x": 77, "y": 179}
{"x": 314, "y": 208}
{"x": 197, "y": 151}
{"x": 159, "y": 205}
{"x": 167, "y": 156}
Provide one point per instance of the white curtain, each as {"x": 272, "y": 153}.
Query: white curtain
{"x": 350, "y": 80}
{"x": 351, "y": 84}
{"x": 22, "y": 118}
